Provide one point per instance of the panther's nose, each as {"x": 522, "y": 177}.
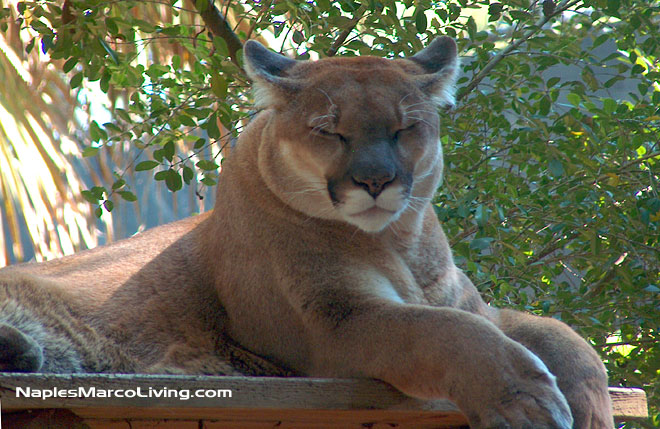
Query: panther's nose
{"x": 374, "y": 185}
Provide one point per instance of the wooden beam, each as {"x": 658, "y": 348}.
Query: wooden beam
{"x": 171, "y": 392}
{"x": 628, "y": 403}
{"x": 255, "y": 401}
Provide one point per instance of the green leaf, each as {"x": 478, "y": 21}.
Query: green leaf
{"x": 481, "y": 215}
{"x": 168, "y": 150}
{"x": 612, "y": 81}
{"x": 298, "y": 37}
{"x": 89, "y": 196}
{"x": 520, "y": 15}
{"x": 146, "y": 165}
{"x": 209, "y": 181}
{"x": 207, "y": 165}
{"x": 652, "y": 289}
{"x": 98, "y": 191}
{"x": 109, "y": 50}
{"x": 109, "y": 205}
{"x": 46, "y": 43}
{"x": 202, "y": 5}
{"x": 76, "y": 80}
{"x": 481, "y": 243}
{"x": 111, "y": 26}
{"x": 637, "y": 69}
{"x": 173, "y": 180}
{"x": 420, "y": 20}
{"x": 219, "y": 85}
{"x": 609, "y": 105}
{"x": 188, "y": 175}
{"x": 573, "y": 98}
{"x": 544, "y": 106}
{"x": 199, "y": 143}
{"x": 118, "y": 184}
{"x": 601, "y": 39}
{"x": 211, "y": 126}
{"x": 494, "y": 10}
{"x": 221, "y": 45}
{"x": 556, "y": 167}
{"x": 186, "y": 120}
{"x": 30, "y": 45}
{"x": 553, "y": 81}
{"x": 176, "y": 62}
{"x": 90, "y": 151}
{"x": 123, "y": 114}
{"x": 613, "y": 6}
{"x": 70, "y": 64}
{"x": 471, "y": 27}
{"x": 112, "y": 127}
{"x": 96, "y": 133}
{"x": 128, "y": 196}
{"x": 158, "y": 155}
{"x": 590, "y": 78}
{"x": 104, "y": 83}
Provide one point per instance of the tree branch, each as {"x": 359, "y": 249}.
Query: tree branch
{"x": 550, "y": 248}
{"x": 217, "y": 23}
{"x": 561, "y": 8}
{"x": 628, "y": 343}
{"x": 347, "y": 31}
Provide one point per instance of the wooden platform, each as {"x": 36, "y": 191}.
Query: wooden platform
{"x": 117, "y": 401}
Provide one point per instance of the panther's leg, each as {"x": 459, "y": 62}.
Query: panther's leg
{"x": 18, "y": 352}
{"x": 221, "y": 356}
{"x": 580, "y": 373}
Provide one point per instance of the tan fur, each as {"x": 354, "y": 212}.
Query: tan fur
{"x": 280, "y": 279}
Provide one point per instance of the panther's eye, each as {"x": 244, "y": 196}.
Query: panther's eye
{"x": 327, "y": 134}
{"x": 410, "y": 127}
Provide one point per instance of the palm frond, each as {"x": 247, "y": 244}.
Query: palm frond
{"x": 43, "y": 215}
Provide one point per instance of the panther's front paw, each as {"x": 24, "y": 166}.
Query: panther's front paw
{"x": 542, "y": 409}
{"x": 524, "y": 396}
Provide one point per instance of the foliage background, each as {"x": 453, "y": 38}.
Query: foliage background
{"x": 116, "y": 115}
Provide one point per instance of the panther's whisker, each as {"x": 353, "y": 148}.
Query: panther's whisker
{"x": 424, "y": 121}
{"x": 408, "y": 106}
{"x": 407, "y": 112}
{"x": 329, "y": 115}
{"x": 403, "y": 98}
{"x": 332, "y": 103}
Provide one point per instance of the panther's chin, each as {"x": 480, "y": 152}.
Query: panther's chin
{"x": 373, "y": 219}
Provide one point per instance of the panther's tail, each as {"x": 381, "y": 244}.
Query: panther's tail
{"x": 29, "y": 343}
{"x": 19, "y": 352}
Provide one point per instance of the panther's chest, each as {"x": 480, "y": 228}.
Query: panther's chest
{"x": 422, "y": 273}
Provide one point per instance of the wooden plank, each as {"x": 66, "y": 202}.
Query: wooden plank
{"x": 127, "y": 390}
{"x": 143, "y": 424}
{"x": 255, "y": 402}
{"x": 252, "y": 424}
{"x": 628, "y": 403}
{"x": 278, "y": 417}
{"x": 43, "y": 419}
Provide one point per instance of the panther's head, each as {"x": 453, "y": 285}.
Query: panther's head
{"x": 353, "y": 139}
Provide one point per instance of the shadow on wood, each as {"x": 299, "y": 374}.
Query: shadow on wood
{"x": 118, "y": 401}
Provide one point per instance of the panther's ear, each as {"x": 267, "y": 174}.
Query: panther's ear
{"x": 440, "y": 62}
{"x": 268, "y": 72}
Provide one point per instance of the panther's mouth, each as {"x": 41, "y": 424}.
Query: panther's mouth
{"x": 357, "y": 207}
{"x": 374, "y": 211}
{"x": 373, "y": 219}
